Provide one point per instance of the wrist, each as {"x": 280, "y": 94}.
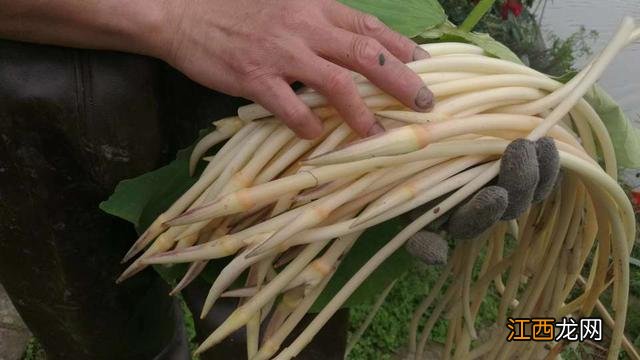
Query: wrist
{"x": 151, "y": 28}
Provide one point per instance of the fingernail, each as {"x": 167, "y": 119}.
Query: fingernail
{"x": 420, "y": 53}
{"x": 424, "y": 99}
{"x": 375, "y": 129}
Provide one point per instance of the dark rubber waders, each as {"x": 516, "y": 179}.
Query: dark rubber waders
{"x": 73, "y": 123}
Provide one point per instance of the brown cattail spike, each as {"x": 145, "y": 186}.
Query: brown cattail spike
{"x": 429, "y": 247}
{"x": 519, "y": 176}
{"x": 483, "y": 210}
{"x": 548, "y": 167}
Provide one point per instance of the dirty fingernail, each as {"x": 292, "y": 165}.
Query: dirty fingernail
{"x": 424, "y": 98}
{"x": 375, "y": 129}
{"x": 420, "y": 53}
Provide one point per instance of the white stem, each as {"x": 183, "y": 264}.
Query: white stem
{"x": 244, "y": 313}
{"x": 225, "y": 129}
{"x": 599, "y": 65}
{"x": 305, "y": 337}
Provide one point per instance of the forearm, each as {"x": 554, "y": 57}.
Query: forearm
{"x": 131, "y": 26}
{"x": 248, "y": 48}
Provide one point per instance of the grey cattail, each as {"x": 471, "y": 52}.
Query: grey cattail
{"x": 548, "y": 167}
{"x": 429, "y": 247}
{"x": 483, "y": 210}
{"x": 519, "y": 176}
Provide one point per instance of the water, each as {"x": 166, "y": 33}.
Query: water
{"x": 622, "y": 78}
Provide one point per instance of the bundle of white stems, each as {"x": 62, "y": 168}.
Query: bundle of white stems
{"x": 273, "y": 201}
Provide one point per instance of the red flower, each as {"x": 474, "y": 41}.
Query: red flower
{"x": 513, "y": 6}
{"x": 635, "y": 196}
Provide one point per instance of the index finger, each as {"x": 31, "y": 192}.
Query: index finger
{"x": 358, "y": 22}
{"x": 369, "y": 58}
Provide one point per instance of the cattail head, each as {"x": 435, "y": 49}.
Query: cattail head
{"x": 519, "y": 176}
{"x": 429, "y": 247}
{"x": 548, "y": 167}
{"x": 483, "y": 210}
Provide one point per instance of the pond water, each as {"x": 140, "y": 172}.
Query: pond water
{"x": 622, "y": 79}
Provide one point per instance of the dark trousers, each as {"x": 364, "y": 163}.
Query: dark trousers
{"x": 72, "y": 124}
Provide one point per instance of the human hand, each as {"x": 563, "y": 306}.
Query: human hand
{"x": 255, "y": 49}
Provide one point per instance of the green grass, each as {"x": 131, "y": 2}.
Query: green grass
{"x": 388, "y": 332}
{"x": 34, "y": 351}
{"x": 190, "y": 326}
